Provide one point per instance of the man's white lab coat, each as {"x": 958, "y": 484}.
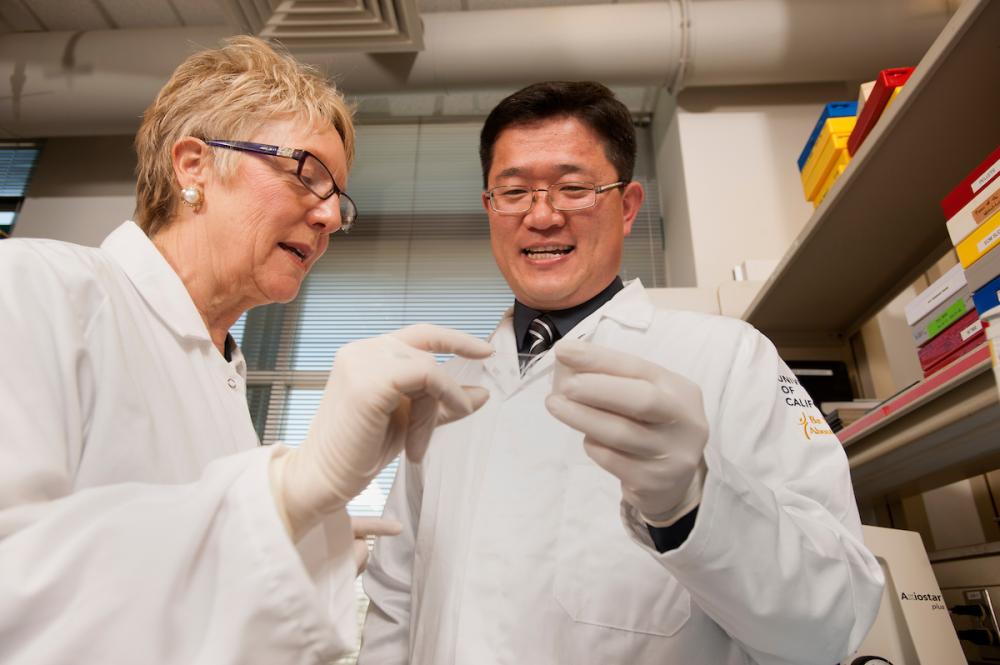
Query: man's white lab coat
{"x": 136, "y": 519}
{"x": 516, "y": 549}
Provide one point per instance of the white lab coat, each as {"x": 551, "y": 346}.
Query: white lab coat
{"x": 136, "y": 519}
{"x": 516, "y": 549}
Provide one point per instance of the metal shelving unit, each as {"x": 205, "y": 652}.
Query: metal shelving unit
{"x": 881, "y": 225}
{"x": 877, "y": 230}
{"x": 943, "y": 429}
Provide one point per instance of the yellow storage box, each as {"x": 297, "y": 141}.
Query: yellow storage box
{"x": 830, "y": 145}
{"x": 982, "y": 240}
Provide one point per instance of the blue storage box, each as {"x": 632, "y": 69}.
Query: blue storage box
{"x": 987, "y": 297}
{"x": 831, "y": 110}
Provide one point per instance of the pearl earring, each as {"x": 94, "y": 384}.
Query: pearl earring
{"x": 191, "y": 196}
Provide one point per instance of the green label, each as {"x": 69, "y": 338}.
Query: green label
{"x": 952, "y": 314}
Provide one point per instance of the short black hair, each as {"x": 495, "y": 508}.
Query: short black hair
{"x": 590, "y": 102}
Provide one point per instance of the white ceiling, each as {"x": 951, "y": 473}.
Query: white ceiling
{"x": 472, "y": 5}
{"x": 79, "y": 15}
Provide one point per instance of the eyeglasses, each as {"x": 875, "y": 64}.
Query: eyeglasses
{"x": 564, "y": 196}
{"x": 311, "y": 172}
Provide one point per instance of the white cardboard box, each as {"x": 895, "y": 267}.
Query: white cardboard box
{"x": 938, "y": 292}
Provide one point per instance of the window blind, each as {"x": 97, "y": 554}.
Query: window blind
{"x": 17, "y": 162}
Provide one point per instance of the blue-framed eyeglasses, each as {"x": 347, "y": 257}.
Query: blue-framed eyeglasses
{"x": 311, "y": 172}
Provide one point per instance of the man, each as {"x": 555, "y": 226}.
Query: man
{"x": 662, "y": 503}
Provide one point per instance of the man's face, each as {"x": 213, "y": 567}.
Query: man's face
{"x": 557, "y": 259}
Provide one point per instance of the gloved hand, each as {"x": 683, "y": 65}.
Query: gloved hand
{"x": 642, "y": 423}
{"x": 384, "y": 395}
{"x": 370, "y": 526}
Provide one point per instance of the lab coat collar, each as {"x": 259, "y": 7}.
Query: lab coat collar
{"x": 630, "y": 307}
{"x": 156, "y": 281}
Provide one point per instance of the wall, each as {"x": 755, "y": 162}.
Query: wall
{"x": 82, "y": 188}
{"x": 739, "y": 195}
{"x": 952, "y": 516}
{"x": 680, "y": 270}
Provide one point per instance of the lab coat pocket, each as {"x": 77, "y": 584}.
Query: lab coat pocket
{"x": 603, "y": 577}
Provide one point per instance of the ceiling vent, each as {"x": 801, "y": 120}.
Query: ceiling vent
{"x": 356, "y": 26}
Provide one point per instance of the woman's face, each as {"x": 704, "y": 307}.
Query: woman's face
{"x": 267, "y": 229}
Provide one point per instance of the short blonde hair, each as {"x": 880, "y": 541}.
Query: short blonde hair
{"x": 227, "y": 93}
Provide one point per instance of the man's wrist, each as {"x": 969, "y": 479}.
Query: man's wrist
{"x": 671, "y": 518}
{"x": 690, "y": 500}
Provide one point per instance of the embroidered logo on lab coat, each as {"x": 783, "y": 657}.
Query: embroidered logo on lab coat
{"x": 813, "y": 426}
{"x": 795, "y": 395}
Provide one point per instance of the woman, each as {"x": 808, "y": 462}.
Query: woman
{"x": 139, "y": 519}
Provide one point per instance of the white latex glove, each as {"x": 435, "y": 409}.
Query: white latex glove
{"x": 384, "y": 395}
{"x": 365, "y": 527}
{"x": 642, "y": 423}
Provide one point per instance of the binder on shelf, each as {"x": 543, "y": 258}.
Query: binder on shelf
{"x": 992, "y": 328}
{"x": 987, "y": 297}
{"x": 980, "y": 241}
{"x": 972, "y": 345}
{"x": 937, "y": 321}
{"x": 831, "y": 110}
{"x": 958, "y": 335}
{"x": 821, "y": 194}
{"x": 860, "y": 404}
{"x": 959, "y": 309}
{"x": 994, "y": 345}
{"x": 914, "y": 394}
{"x": 983, "y": 270}
{"x": 843, "y": 414}
{"x": 886, "y": 82}
{"x": 936, "y": 294}
{"x": 837, "y": 171}
{"x": 864, "y": 92}
{"x": 831, "y": 144}
{"x": 982, "y": 206}
{"x": 991, "y": 325}
{"x": 982, "y": 175}
{"x": 892, "y": 98}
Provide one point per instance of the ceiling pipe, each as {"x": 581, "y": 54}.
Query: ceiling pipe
{"x": 622, "y": 44}
{"x": 738, "y": 42}
{"x": 99, "y": 82}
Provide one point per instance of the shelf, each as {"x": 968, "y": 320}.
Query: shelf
{"x": 966, "y": 552}
{"x": 881, "y": 225}
{"x": 945, "y": 428}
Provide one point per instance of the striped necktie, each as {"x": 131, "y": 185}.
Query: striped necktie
{"x": 541, "y": 335}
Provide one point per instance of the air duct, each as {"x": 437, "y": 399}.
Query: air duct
{"x": 100, "y": 82}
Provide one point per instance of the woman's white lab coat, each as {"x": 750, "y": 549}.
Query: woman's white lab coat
{"x": 516, "y": 550}
{"x": 136, "y": 520}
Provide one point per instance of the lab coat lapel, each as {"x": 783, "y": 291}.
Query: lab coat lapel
{"x": 631, "y": 307}
{"x": 155, "y": 280}
{"x": 502, "y": 366}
